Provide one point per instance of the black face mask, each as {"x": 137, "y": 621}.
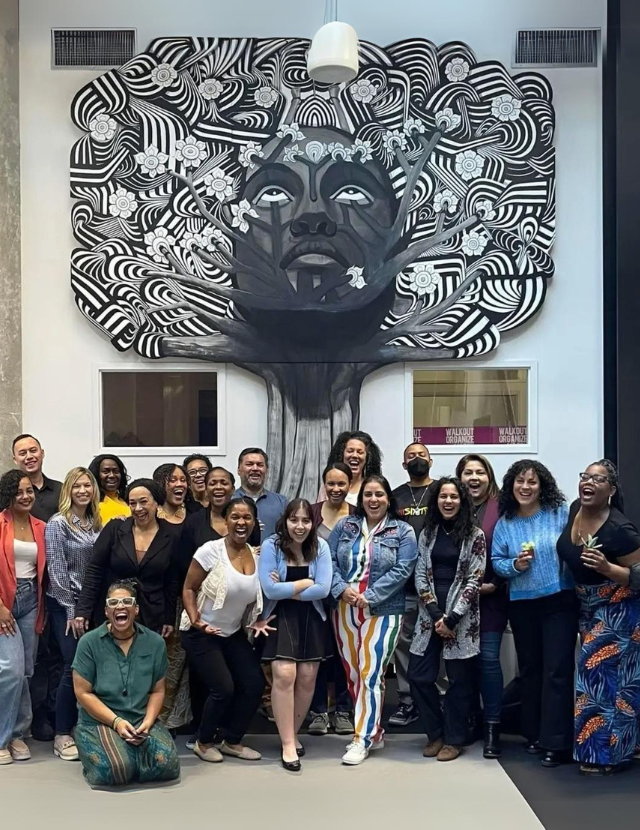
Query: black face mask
{"x": 418, "y": 467}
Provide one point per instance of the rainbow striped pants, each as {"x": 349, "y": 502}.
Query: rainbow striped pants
{"x": 366, "y": 645}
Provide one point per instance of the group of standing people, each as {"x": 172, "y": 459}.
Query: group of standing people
{"x": 184, "y": 600}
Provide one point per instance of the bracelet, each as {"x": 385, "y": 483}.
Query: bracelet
{"x": 115, "y": 723}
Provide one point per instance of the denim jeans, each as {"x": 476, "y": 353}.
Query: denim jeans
{"x": 491, "y": 680}
{"x": 66, "y": 704}
{"x": 17, "y": 661}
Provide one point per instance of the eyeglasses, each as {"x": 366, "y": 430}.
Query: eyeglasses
{"x": 597, "y": 479}
{"x": 199, "y": 473}
{"x": 127, "y": 602}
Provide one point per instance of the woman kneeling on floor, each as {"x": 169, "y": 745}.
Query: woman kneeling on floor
{"x": 119, "y": 679}
{"x": 451, "y": 564}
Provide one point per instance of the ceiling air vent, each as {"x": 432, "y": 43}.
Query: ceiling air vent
{"x": 557, "y": 47}
{"x": 92, "y": 48}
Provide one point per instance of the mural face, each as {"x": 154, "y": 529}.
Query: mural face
{"x": 230, "y": 209}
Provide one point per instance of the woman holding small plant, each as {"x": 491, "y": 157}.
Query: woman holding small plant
{"x": 600, "y": 546}
{"x": 542, "y": 605}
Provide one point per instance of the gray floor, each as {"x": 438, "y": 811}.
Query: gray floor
{"x": 394, "y": 785}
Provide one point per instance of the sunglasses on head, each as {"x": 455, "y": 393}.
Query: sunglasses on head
{"x": 127, "y": 602}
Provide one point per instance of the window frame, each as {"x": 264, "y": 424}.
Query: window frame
{"x": 530, "y": 448}
{"x": 220, "y": 369}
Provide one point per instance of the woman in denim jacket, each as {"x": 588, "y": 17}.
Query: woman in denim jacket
{"x": 374, "y": 554}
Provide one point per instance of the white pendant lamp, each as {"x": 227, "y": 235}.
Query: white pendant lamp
{"x": 333, "y": 55}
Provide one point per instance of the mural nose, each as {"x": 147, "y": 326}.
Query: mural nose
{"x": 314, "y": 224}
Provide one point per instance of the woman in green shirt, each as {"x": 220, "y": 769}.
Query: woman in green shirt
{"x": 119, "y": 680}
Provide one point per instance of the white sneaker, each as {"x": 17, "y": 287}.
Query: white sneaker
{"x": 355, "y": 754}
{"x": 376, "y": 745}
{"x": 5, "y": 756}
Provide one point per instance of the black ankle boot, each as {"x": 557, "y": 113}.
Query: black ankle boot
{"x": 492, "y": 744}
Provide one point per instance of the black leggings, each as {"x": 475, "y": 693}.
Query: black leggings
{"x": 231, "y": 672}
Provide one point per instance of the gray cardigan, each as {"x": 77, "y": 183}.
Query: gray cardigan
{"x": 463, "y": 600}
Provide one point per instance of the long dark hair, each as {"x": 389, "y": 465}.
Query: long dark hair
{"x": 373, "y": 463}
{"x": 94, "y": 469}
{"x": 463, "y": 525}
{"x": 285, "y": 542}
{"x": 392, "y": 510}
{"x": 494, "y": 490}
{"x": 550, "y": 495}
{"x": 617, "y": 499}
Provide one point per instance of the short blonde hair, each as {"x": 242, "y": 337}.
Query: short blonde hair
{"x": 93, "y": 508}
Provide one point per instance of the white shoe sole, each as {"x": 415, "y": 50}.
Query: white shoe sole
{"x": 59, "y": 754}
{"x": 354, "y": 763}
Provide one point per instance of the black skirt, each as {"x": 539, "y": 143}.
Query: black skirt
{"x": 302, "y": 635}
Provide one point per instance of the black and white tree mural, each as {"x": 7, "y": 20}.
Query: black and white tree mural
{"x": 231, "y": 210}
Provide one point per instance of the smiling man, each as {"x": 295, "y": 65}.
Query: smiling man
{"x": 253, "y": 465}
{"x": 28, "y": 456}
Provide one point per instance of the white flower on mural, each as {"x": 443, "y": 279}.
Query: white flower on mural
{"x": 219, "y": 184}
{"x": 316, "y": 151}
{"x": 122, "y": 203}
{"x": 424, "y": 279}
{"x": 363, "y": 148}
{"x": 292, "y": 130}
{"x": 248, "y": 153}
{"x": 413, "y": 125}
{"x": 164, "y": 74}
{"x": 506, "y": 108}
{"x": 473, "y": 243}
{"x": 190, "y": 151}
{"x": 103, "y": 127}
{"x": 213, "y": 239}
{"x": 457, "y": 70}
{"x": 485, "y": 209}
{"x": 339, "y": 151}
{"x": 363, "y": 91}
{"x": 447, "y": 119}
{"x": 240, "y": 213}
{"x": 265, "y": 96}
{"x": 445, "y": 200}
{"x": 191, "y": 240}
{"x": 469, "y": 165}
{"x": 357, "y": 277}
{"x": 290, "y": 153}
{"x": 152, "y": 161}
{"x": 394, "y": 140}
{"x": 158, "y": 242}
{"x": 210, "y": 89}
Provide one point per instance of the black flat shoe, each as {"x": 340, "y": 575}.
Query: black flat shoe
{"x": 301, "y": 751}
{"x": 553, "y": 758}
{"x": 533, "y": 748}
{"x": 291, "y": 766}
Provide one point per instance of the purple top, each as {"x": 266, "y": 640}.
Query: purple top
{"x": 493, "y": 607}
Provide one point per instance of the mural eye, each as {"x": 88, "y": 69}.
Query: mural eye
{"x": 273, "y": 195}
{"x": 352, "y": 195}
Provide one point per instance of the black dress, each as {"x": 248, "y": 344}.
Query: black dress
{"x": 302, "y": 635}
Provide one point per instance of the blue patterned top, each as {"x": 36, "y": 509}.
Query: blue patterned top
{"x": 547, "y": 574}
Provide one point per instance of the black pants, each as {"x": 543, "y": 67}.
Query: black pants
{"x": 450, "y": 721}
{"x": 230, "y": 670}
{"x": 66, "y": 704}
{"x": 544, "y": 633}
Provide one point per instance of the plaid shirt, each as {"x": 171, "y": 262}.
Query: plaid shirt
{"x": 68, "y": 553}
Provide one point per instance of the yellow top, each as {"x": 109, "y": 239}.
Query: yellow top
{"x": 111, "y": 507}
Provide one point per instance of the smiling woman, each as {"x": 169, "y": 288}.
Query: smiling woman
{"x": 111, "y": 475}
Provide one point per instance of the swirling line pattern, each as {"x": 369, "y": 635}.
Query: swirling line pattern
{"x": 195, "y": 104}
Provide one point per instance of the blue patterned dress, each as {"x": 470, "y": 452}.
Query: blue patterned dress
{"x": 608, "y": 676}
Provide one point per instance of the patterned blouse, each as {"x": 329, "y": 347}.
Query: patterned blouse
{"x": 68, "y": 553}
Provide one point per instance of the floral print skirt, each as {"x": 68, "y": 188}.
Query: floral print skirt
{"x": 608, "y": 677}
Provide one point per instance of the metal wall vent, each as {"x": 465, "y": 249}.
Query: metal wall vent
{"x": 557, "y": 47}
{"x": 92, "y": 48}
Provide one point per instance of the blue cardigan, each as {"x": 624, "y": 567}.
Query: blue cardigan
{"x": 547, "y": 574}
{"x": 272, "y": 559}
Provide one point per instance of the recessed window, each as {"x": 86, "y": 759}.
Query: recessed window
{"x": 471, "y": 407}
{"x": 160, "y": 409}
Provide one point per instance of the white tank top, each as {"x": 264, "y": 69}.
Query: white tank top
{"x": 241, "y": 592}
{"x": 26, "y": 559}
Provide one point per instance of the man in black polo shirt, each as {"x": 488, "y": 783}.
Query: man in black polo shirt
{"x": 28, "y": 456}
{"x": 411, "y": 499}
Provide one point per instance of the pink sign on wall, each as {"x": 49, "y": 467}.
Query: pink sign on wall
{"x": 446, "y": 436}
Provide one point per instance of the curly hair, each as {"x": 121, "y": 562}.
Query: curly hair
{"x": 373, "y": 463}
{"x": 617, "y": 499}
{"x": 94, "y": 469}
{"x": 392, "y": 510}
{"x": 463, "y": 525}
{"x": 9, "y": 486}
{"x": 494, "y": 490}
{"x": 550, "y": 495}
{"x": 163, "y": 473}
{"x": 130, "y": 585}
{"x": 285, "y": 542}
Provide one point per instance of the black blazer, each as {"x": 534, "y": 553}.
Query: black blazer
{"x": 114, "y": 557}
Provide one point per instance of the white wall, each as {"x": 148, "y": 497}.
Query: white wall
{"x": 62, "y": 351}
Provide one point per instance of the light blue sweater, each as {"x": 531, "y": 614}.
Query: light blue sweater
{"x": 272, "y": 559}
{"x": 547, "y": 574}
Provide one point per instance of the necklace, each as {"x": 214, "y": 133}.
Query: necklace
{"x": 418, "y": 504}
{"x": 179, "y": 514}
